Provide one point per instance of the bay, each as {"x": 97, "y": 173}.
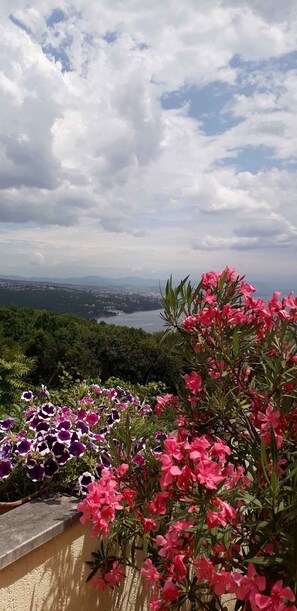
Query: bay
{"x": 148, "y": 320}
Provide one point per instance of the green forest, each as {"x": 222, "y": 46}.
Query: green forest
{"x": 45, "y": 346}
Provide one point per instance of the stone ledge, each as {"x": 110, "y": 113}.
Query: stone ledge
{"x": 27, "y": 527}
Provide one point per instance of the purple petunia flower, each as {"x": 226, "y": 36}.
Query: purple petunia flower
{"x": 63, "y": 458}
{"x": 97, "y": 437}
{"x": 50, "y": 467}
{"x": 47, "y": 410}
{"x": 81, "y": 413}
{"x": 43, "y": 392}
{"x": 115, "y": 414}
{"x": 5, "y": 425}
{"x": 30, "y": 462}
{"x": 145, "y": 409}
{"x": 64, "y": 436}
{"x": 42, "y": 426}
{"x": 27, "y": 395}
{"x": 5, "y": 469}
{"x": 58, "y": 448}
{"x": 77, "y": 448}
{"x": 35, "y": 421}
{"x": 82, "y": 426}
{"x": 65, "y": 424}
{"x": 36, "y": 473}
{"x": 6, "y": 449}
{"x": 98, "y": 469}
{"x": 24, "y": 446}
{"x": 42, "y": 447}
{"x": 96, "y": 389}
{"x": 50, "y": 440}
{"x": 84, "y": 480}
{"x": 138, "y": 445}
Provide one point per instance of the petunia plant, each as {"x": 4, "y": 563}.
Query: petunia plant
{"x": 67, "y": 447}
{"x": 213, "y": 509}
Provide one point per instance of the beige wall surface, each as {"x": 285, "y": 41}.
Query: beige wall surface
{"x": 52, "y": 578}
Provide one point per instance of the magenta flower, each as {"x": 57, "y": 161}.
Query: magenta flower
{"x": 193, "y": 382}
{"x": 92, "y": 419}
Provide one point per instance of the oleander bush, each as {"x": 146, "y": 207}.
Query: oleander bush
{"x": 213, "y": 508}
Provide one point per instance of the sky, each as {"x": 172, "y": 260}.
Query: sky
{"x": 148, "y": 138}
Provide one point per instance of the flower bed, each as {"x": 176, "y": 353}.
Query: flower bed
{"x": 67, "y": 447}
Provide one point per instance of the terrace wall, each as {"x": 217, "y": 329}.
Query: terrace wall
{"x": 51, "y": 575}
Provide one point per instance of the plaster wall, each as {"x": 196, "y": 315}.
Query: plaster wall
{"x": 52, "y": 578}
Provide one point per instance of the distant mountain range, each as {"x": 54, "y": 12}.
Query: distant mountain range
{"x": 125, "y": 283}
{"x": 264, "y": 288}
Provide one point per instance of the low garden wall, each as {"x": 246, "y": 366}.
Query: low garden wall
{"x": 43, "y": 556}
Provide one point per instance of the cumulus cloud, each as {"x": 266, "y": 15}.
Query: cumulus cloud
{"x": 87, "y": 144}
{"x": 37, "y": 259}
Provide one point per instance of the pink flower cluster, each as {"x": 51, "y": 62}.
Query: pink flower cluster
{"x": 251, "y": 311}
{"x": 200, "y": 461}
{"x": 113, "y": 577}
{"x": 103, "y": 499}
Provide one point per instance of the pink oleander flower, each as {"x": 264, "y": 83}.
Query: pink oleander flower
{"x": 220, "y": 450}
{"x": 168, "y": 400}
{"x": 274, "y": 602}
{"x": 198, "y": 448}
{"x": 269, "y": 419}
{"x": 149, "y": 524}
{"x": 101, "y": 503}
{"x": 158, "y": 505}
{"x": 116, "y": 575}
{"x": 149, "y": 573}
{"x": 221, "y": 582}
{"x": 193, "y": 382}
{"x": 171, "y": 544}
{"x": 170, "y": 591}
{"x": 204, "y": 568}
{"x": 209, "y": 474}
{"x": 245, "y": 587}
{"x": 180, "y": 569}
{"x": 155, "y": 604}
{"x": 220, "y": 517}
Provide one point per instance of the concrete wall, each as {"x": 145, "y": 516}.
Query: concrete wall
{"x": 52, "y": 578}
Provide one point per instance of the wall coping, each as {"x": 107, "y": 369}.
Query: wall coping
{"x": 30, "y": 525}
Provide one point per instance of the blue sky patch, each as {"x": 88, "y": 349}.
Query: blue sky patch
{"x": 55, "y": 17}
{"x": 206, "y": 104}
{"x": 59, "y": 55}
{"x": 283, "y": 63}
{"x": 252, "y": 159}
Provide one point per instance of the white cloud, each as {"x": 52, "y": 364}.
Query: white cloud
{"x": 37, "y": 259}
{"x": 90, "y": 157}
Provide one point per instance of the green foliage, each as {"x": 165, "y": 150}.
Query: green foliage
{"x": 14, "y": 367}
{"x": 86, "y": 349}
